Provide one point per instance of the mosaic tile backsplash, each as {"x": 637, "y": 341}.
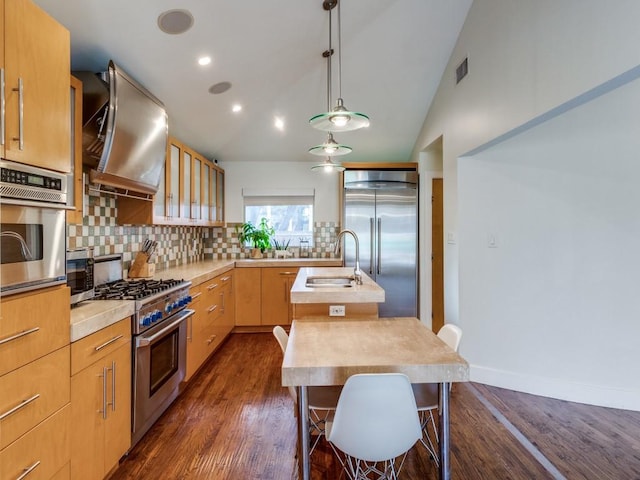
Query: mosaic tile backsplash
{"x": 176, "y": 245}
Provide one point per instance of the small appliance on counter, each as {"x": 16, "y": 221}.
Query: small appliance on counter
{"x": 80, "y": 277}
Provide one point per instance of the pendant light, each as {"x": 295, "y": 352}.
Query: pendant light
{"x": 330, "y": 147}
{"x": 329, "y": 166}
{"x": 338, "y": 119}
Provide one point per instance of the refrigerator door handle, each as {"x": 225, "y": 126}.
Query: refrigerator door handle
{"x": 379, "y": 244}
{"x": 371, "y": 237}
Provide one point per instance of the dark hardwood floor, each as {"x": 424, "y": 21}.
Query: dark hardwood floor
{"x": 234, "y": 421}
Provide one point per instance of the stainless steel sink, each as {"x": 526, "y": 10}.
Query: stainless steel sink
{"x": 329, "y": 282}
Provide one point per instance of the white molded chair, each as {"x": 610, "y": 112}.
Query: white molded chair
{"x": 375, "y": 424}
{"x": 426, "y": 395}
{"x": 322, "y": 400}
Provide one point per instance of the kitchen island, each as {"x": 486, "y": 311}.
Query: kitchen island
{"x": 333, "y": 291}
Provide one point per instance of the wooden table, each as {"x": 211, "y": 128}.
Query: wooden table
{"x": 328, "y": 352}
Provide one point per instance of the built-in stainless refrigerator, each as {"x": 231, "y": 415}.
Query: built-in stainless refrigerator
{"x": 381, "y": 207}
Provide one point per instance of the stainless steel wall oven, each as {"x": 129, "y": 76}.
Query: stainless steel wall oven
{"x": 32, "y": 227}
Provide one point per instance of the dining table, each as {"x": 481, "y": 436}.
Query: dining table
{"x": 324, "y": 351}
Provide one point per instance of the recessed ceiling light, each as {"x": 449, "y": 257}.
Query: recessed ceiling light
{"x": 220, "y": 87}
{"x": 204, "y": 61}
{"x": 279, "y": 123}
{"x": 175, "y": 22}
{"x": 236, "y": 108}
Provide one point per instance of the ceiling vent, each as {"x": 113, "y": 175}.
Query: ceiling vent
{"x": 462, "y": 70}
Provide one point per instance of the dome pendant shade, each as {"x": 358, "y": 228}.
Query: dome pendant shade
{"x": 329, "y": 166}
{"x": 330, "y": 148}
{"x": 339, "y": 119}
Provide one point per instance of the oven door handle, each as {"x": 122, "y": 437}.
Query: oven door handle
{"x": 146, "y": 341}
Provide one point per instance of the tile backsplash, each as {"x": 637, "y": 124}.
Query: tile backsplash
{"x": 176, "y": 245}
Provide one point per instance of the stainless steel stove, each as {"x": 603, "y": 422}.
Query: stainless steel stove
{"x": 155, "y": 300}
{"x": 159, "y": 328}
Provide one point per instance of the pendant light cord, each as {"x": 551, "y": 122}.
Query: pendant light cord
{"x": 329, "y": 54}
{"x": 339, "y": 52}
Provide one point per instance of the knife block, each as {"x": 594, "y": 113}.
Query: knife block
{"x": 141, "y": 268}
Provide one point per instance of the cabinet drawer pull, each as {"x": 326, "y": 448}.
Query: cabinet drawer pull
{"x": 225, "y": 279}
{"x": 212, "y": 286}
{"x": 211, "y": 339}
{"x": 28, "y": 470}
{"x": 288, "y": 273}
{"x": 212, "y": 308}
{"x": 19, "y": 335}
{"x": 108, "y": 342}
{"x": 22, "y": 404}
{"x": 195, "y": 295}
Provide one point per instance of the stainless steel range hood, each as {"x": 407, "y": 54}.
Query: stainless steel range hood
{"x": 124, "y": 134}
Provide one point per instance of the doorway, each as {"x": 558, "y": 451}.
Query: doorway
{"x": 437, "y": 255}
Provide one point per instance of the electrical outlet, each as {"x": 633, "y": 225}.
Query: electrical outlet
{"x": 336, "y": 310}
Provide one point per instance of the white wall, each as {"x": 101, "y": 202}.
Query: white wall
{"x": 283, "y": 175}
{"x": 526, "y": 59}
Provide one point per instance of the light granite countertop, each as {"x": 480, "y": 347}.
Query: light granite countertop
{"x": 368, "y": 292}
{"x": 90, "y": 316}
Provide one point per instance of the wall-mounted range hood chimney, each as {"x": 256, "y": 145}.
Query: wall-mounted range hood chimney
{"x": 124, "y": 134}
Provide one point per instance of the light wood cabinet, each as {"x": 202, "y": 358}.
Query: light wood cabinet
{"x": 101, "y": 400}
{"x": 32, "y": 325}
{"x": 248, "y": 296}
{"x": 77, "y": 187}
{"x": 263, "y": 296}
{"x": 276, "y": 290}
{"x": 36, "y": 64}
{"x": 192, "y": 192}
{"x": 213, "y": 321}
{"x": 34, "y": 384}
{"x": 42, "y": 452}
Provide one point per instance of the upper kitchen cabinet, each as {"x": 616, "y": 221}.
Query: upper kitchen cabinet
{"x": 35, "y": 63}
{"x": 192, "y": 192}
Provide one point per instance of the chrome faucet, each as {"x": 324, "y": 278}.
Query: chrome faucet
{"x": 357, "y": 273}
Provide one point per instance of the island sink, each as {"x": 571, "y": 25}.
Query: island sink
{"x": 329, "y": 282}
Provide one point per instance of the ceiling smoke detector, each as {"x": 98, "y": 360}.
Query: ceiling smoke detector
{"x": 219, "y": 88}
{"x": 175, "y": 22}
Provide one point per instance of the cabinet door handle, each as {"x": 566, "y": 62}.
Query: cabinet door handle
{"x": 211, "y": 339}
{"x": 1, "y": 106}
{"x": 108, "y": 342}
{"x": 19, "y": 335}
{"x": 20, "y": 137}
{"x": 113, "y": 386}
{"x": 28, "y": 470}
{"x": 104, "y": 393}
{"x": 212, "y": 308}
{"x": 190, "y": 330}
{"x": 22, "y": 404}
{"x": 222, "y": 301}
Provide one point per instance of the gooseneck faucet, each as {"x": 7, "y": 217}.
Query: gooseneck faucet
{"x": 357, "y": 274}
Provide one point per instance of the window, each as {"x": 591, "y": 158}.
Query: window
{"x": 291, "y": 216}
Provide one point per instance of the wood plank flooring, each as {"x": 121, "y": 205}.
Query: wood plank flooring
{"x": 234, "y": 421}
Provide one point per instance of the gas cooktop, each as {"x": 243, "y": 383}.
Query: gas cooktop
{"x": 137, "y": 289}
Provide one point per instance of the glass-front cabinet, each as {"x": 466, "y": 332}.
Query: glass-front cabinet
{"x": 191, "y": 193}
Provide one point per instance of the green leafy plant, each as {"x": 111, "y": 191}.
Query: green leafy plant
{"x": 257, "y": 236}
{"x": 283, "y": 245}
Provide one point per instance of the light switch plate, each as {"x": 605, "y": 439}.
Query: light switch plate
{"x": 336, "y": 310}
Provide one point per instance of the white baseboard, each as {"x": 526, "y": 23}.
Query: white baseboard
{"x": 627, "y": 399}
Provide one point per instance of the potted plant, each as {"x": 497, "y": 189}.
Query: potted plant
{"x": 258, "y": 237}
{"x": 281, "y": 248}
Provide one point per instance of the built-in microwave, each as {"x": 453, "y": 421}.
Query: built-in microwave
{"x": 80, "y": 274}
{"x": 32, "y": 228}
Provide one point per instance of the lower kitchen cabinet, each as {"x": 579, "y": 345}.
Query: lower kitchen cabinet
{"x": 213, "y": 321}
{"x": 262, "y": 296}
{"x": 42, "y": 453}
{"x": 276, "y": 291}
{"x": 101, "y": 401}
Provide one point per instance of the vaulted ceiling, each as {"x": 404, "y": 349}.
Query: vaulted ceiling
{"x": 393, "y": 56}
